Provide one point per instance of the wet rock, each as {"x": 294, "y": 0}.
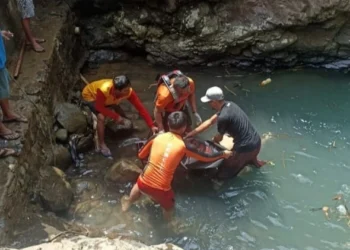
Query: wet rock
{"x": 104, "y": 56}
{"x": 93, "y": 212}
{"x": 59, "y": 156}
{"x": 62, "y": 135}
{"x": 115, "y": 127}
{"x": 102, "y": 243}
{"x": 344, "y": 64}
{"x": 55, "y": 192}
{"x": 87, "y": 189}
{"x": 85, "y": 143}
{"x": 344, "y": 35}
{"x": 123, "y": 171}
{"x": 70, "y": 117}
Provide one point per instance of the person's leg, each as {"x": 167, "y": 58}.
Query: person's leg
{"x": 189, "y": 119}
{"x": 135, "y": 194}
{"x": 167, "y": 201}
{"x": 26, "y": 8}
{"x": 231, "y": 166}
{"x": 8, "y": 114}
{"x": 168, "y": 214}
{"x": 101, "y": 132}
{"x": 254, "y": 158}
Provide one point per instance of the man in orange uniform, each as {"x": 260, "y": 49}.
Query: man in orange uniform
{"x": 103, "y": 96}
{"x": 166, "y": 151}
{"x": 167, "y": 102}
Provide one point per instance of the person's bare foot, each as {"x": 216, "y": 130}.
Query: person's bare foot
{"x": 38, "y": 40}
{"x": 37, "y": 47}
{"x": 125, "y": 203}
{"x": 105, "y": 151}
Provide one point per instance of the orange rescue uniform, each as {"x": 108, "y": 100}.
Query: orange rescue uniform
{"x": 166, "y": 151}
{"x": 165, "y": 100}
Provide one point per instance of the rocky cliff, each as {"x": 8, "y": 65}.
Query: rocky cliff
{"x": 236, "y": 32}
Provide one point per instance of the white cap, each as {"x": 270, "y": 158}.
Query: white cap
{"x": 213, "y": 94}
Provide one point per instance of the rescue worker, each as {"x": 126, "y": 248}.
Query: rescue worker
{"x": 174, "y": 90}
{"x": 103, "y": 97}
{"x": 166, "y": 150}
{"x": 231, "y": 120}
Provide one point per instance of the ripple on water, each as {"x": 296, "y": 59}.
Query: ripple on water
{"x": 302, "y": 179}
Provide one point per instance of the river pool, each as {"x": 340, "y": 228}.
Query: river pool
{"x": 306, "y": 111}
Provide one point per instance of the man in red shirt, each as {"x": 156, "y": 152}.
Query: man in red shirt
{"x": 103, "y": 96}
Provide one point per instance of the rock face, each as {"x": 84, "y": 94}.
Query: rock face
{"x": 241, "y": 33}
{"x": 84, "y": 243}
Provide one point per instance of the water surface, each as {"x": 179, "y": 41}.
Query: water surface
{"x": 307, "y": 113}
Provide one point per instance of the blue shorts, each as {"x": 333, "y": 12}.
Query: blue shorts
{"x": 4, "y": 84}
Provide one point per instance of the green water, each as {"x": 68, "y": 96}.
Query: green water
{"x": 269, "y": 208}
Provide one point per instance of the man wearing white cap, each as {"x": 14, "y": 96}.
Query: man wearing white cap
{"x": 231, "y": 120}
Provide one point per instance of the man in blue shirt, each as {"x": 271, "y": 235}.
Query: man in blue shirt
{"x": 8, "y": 114}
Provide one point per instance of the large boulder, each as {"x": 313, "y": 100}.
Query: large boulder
{"x": 123, "y": 171}
{"x": 70, "y": 117}
{"x": 54, "y": 190}
{"x": 85, "y": 243}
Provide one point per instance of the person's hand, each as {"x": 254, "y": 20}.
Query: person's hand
{"x": 120, "y": 120}
{"x": 6, "y": 34}
{"x": 188, "y": 135}
{"x": 217, "y": 138}
{"x": 154, "y": 130}
{"x": 227, "y": 154}
{"x": 161, "y": 131}
{"x": 198, "y": 119}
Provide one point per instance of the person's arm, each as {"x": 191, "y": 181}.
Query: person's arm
{"x": 100, "y": 106}
{"x": 146, "y": 149}
{"x": 205, "y": 125}
{"x": 157, "y": 112}
{"x": 161, "y": 102}
{"x": 192, "y": 99}
{"x": 135, "y": 101}
{"x": 224, "y": 154}
{"x": 222, "y": 125}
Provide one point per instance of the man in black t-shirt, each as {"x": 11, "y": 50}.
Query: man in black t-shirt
{"x": 232, "y": 120}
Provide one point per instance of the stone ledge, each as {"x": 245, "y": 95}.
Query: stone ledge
{"x": 45, "y": 78}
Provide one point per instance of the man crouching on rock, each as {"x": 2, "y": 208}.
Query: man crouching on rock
{"x": 231, "y": 120}
{"x": 103, "y": 97}
{"x": 166, "y": 151}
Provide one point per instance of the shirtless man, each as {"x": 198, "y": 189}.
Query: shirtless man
{"x": 166, "y": 151}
